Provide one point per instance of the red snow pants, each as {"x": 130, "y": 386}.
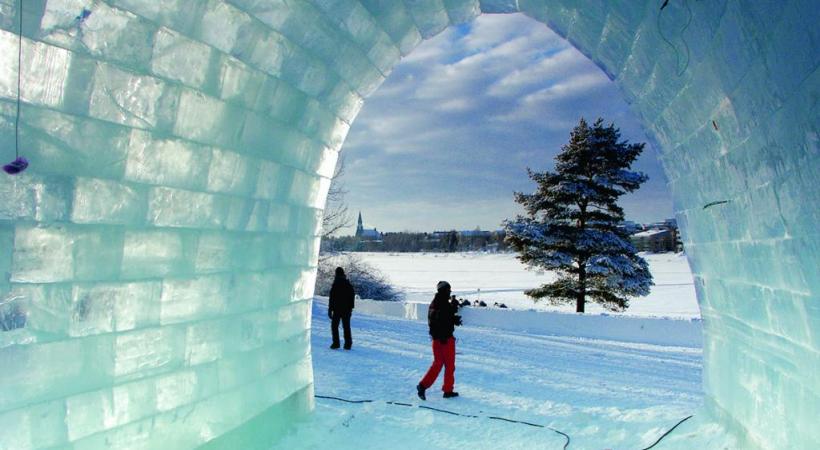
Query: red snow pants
{"x": 443, "y": 355}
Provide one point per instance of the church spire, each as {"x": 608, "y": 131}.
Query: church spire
{"x": 360, "y": 225}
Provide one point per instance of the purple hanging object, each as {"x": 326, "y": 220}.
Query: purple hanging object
{"x": 18, "y": 165}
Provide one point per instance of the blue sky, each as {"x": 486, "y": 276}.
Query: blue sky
{"x": 445, "y": 141}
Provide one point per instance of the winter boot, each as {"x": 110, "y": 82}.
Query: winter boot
{"x": 420, "y": 391}
{"x": 334, "y": 346}
{"x": 347, "y": 346}
{"x": 450, "y": 394}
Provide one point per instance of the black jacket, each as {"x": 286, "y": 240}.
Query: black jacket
{"x": 441, "y": 318}
{"x": 342, "y": 296}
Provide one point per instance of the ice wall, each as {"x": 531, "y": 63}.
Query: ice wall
{"x": 158, "y": 254}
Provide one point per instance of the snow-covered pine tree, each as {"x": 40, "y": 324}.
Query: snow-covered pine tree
{"x": 571, "y": 222}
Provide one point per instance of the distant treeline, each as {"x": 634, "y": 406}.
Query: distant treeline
{"x": 439, "y": 241}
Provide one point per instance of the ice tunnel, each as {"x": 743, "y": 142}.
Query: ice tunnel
{"x": 158, "y": 254}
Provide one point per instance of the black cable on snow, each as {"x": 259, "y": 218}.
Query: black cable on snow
{"x": 669, "y": 431}
{"x": 444, "y": 411}
{"x": 453, "y": 413}
{"x": 566, "y": 444}
{"x": 399, "y": 403}
{"x": 342, "y": 399}
{"x": 516, "y": 421}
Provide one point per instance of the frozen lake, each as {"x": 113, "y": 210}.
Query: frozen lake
{"x": 500, "y": 277}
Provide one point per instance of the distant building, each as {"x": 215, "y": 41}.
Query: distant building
{"x": 366, "y": 234}
{"x": 654, "y": 240}
{"x": 658, "y": 237}
{"x": 630, "y": 227}
{"x": 477, "y": 233}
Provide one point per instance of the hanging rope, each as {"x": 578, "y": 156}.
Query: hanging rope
{"x": 19, "y": 164}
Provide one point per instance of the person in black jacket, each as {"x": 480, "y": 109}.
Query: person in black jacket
{"x": 442, "y": 321}
{"x": 340, "y": 307}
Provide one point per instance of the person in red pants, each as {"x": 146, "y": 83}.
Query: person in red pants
{"x": 442, "y": 320}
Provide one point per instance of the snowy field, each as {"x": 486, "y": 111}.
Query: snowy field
{"x": 602, "y": 394}
{"x": 502, "y": 278}
{"x": 614, "y": 388}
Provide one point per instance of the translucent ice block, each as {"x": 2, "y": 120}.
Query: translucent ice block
{"x": 160, "y": 249}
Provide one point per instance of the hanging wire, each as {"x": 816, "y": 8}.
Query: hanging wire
{"x": 678, "y": 70}
{"x": 19, "y": 164}
{"x": 19, "y": 76}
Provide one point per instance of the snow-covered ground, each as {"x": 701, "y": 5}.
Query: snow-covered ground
{"x": 603, "y": 394}
{"x": 502, "y": 278}
{"x": 607, "y": 382}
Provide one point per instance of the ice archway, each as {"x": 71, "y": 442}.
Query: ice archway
{"x": 157, "y": 256}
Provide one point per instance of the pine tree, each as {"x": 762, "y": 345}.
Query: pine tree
{"x": 571, "y": 222}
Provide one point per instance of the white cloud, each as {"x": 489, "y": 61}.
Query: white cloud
{"x": 456, "y": 104}
{"x": 399, "y": 86}
{"x": 414, "y": 131}
{"x": 452, "y": 65}
{"x": 487, "y": 32}
{"x": 572, "y": 87}
{"x": 550, "y": 106}
{"x": 491, "y": 29}
{"x": 565, "y": 63}
{"x": 433, "y": 49}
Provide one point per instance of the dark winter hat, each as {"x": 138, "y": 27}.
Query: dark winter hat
{"x": 340, "y": 272}
{"x": 442, "y": 285}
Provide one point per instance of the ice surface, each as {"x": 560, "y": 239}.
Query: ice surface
{"x": 161, "y": 132}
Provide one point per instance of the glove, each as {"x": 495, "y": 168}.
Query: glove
{"x": 329, "y": 314}
{"x": 457, "y": 320}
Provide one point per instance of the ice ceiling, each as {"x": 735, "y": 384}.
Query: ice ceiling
{"x": 158, "y": 254}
